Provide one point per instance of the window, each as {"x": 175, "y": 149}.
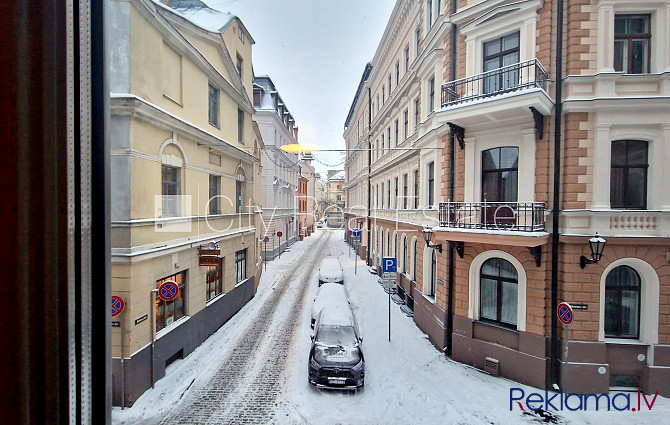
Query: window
{"x": 406, "y": 124}
{"x": 499, "y": 284}
{"x": 416, "y": 189}
{"x": 395, "y": 129}
{"x": 498, "y": 53}
{"x": 405, "y": 255}
{"x": 213, "y": 105}
{"x": 397, "y": 72}
{"x": 417, "y": 40}
{"x": 395, "y": 246}
{"x": 632, "y": 45}
{"x": 214, "y": 192}
{"x": 171, "y": 183}
{"x": 389, "y": 84}
{"x": 622, "y": 303}
{"x": 439, "y": 7}
{"x": 429, "y": 9}
{"x": 431, "y": 184}
{"x": 383, "y": 94}
{"x": 628, "y": 182}
{"x": 416, "y": 112}
{"x": 239, "y": 195}
{"x": 431, "y": 94}
{"x": 240, "y": 34}
{"x": 214, "y": 282}
{"x": 383, "y": 145}
{"x": 377, "y": 197}
{"x": 382, "y": 195}
{"x": 238, "y": 66}
{"x": 404, "y": 191}
{"x": 388, "y": 198}
{"x": 414, "y": 250}
{"x": 407, "y": 58}
{"x": 388, "y": 136}
{"x": 388, "y": 243}
{"x": 432, "y": 283}
{"x": 395, "y": 201}
{"x": 240, "y": 125}
{"x": 241, "y": 265}
{"x": 171, "y": 311}
{"x": 499, "y": 174}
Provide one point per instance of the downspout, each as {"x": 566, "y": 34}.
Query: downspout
{"x": 452, "y": 173}
{"x": 555, "y": 365}
{"x": 369, "y": 170}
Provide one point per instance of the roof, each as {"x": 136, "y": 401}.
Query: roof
{"x": 364, "y": 78}
{"x": 337, "y": 177}
{"x": 201, "y": 15}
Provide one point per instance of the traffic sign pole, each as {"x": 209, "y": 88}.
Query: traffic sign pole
{"x": 123, "y": 366}
{"x": 566, "y": 316}
{"x": 152, "y": 309}
{"x": 565, "y": 367}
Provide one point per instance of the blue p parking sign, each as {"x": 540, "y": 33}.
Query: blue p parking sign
{"x": 389, "y": 265}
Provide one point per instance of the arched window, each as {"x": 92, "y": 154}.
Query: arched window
{"x": 414, "y": 262}
{"x": 622, "y": 303}
{"x": 388, "y": 243}
{"x": 499, "y": 284}
{"x": 404, "y": 254}
{"x": 433, "y": 273}
{"x": 381, "y": 238}
{"x": 395, "y": 246}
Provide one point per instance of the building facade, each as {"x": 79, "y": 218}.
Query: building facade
{"x": 185, "y": 173}
{"x": 334, "y": 207}
{"x": 503, "y": 252}
{"x": 281, "y": 170}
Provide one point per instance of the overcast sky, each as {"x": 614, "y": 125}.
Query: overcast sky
{"x": 315, "y": 52}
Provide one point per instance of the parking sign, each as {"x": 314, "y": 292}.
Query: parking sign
{"x": 389, "y": 267}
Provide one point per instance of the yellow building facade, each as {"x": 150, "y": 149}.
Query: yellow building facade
{"x": 185, "y": 177}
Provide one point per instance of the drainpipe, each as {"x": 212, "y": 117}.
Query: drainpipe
{"x": 555, "y": 365}
{"x": 369, "y": 170}
{"x": 452, "y": 173}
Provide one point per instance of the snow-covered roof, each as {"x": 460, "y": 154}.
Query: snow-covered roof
{"x": 201, "y": 15}
{"x": 338, "y": 176}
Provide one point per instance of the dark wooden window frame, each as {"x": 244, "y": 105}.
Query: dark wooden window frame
{"x": 499, "y": 285}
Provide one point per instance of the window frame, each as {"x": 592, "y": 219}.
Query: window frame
{"x": 214, "y": 193}
{"x": 214, "y": 281}
{"x": 499, "y": 294}
{"x": 618, "y": 290}
{"x": 214, "y": 98}
{"x": 167, "y": 203}
{"x": 171, "y": 304}
{"x": 499, "y": 172}
{"x": 632, "y": 37}
{"x": 627, "y": 167}
{"x": 240, "y": 265}
{"x": 430, "y": 171}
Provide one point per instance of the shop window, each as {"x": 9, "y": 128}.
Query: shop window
{"x": 214, "y": 282}
{"x": 168, "y": 312}
{"x": 499, "y": 284}
{"x": 622, "y": 303}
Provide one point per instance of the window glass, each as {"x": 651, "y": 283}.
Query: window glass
{"x": 499, "y": 292}
{"x": 171, "y": 186}
{"x": 241, "y": 265}
{"x": 170, "y": 311}
{"x": 631, "y": 43}
{"x": 622, "y": 303}
{"x": 628, "y": 178}
{"x": 500, "y": 174}
{"x": 213, "y": 105}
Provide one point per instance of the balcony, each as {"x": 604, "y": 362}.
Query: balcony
{"x": 505, "y": 223}
{"x": 496, "y": 95}
{"x": 507, "y": 216}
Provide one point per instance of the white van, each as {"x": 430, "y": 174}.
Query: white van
{"x": 329, "y": 294}
{"x": 331, "y": 271}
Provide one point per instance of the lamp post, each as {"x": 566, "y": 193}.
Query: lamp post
{"x": 597, "y": 245}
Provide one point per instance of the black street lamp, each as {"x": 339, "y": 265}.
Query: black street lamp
{"x": 427, "y": 235}
{"x": 597, "y": 245}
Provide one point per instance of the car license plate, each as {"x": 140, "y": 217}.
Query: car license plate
{"x": 337, "y": 381}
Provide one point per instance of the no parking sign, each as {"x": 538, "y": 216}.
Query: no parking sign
{"x": 168, "y": 290}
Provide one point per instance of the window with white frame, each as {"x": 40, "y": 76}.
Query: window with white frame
{"x": 171, "y": 188}
{"x": 241, "y": 265}
{"x": 431, "y": 183}
{"x": 628, "y": 181}
{"x": 499, "y": 292}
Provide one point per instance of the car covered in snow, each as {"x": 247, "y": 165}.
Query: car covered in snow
{"x": 329, "y": 293}
{"x": 319, "y": 223}
{"x": 331, "y": 271}
{"x": 336, "y": 359}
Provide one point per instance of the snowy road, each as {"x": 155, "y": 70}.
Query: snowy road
{"x": 254, "y": 369}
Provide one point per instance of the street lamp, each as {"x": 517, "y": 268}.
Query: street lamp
{"x": 427, "y": 235}
{"x": 597, "y": 245}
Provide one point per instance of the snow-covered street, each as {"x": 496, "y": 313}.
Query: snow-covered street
{"x": 254, "y": 368}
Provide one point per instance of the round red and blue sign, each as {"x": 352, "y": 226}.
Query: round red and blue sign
{"x": 279, "y": 234}
{"x": 565, "y": 313}
{"x": 117, "y": 305}
{"x": 168, "y": 290}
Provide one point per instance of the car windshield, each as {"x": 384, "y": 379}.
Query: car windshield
{"x": 336, "y": 335}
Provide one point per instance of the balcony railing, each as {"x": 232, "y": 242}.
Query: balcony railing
{"x": 519, "y": 76}
{"x": 513, "y": 216}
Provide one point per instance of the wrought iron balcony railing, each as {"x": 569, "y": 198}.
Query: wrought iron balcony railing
{"x": 513, "y": 216}
{"x": 516, "y": 77}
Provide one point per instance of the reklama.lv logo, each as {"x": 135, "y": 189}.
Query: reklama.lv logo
{"x": 620, "y": 401}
